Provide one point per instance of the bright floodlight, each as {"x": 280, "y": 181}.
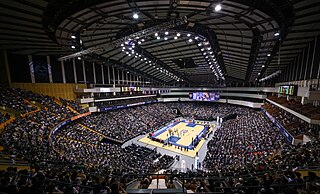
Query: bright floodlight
{"x": 135, "y": 16}
{"x": 217, "y": 7}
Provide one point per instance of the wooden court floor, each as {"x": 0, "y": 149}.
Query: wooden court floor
{"x": 186, "y": 135}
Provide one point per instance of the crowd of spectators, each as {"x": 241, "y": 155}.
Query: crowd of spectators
{"x": 243, "y": 140}
{"x": 123, "y": 124}
{"x": 247, "y": 150}
{"x": 308, "y": 110}
{"x": 74, "y": 105}
{"x": 4, "y": 117}
{"x": 291, "y": 123}
{"x": 11, "y": 98}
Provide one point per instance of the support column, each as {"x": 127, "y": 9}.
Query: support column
{"x": 84, "y": 72}
{"x": 123, "y": 79}
{"x": 74, "y": 71}
{"x": 114, "y": 80}
{"x": 314, "y": 52}
{"x": 127, "y": 78}
{"x": 49, "y": 69}
{"x": 118, "y": 76}
{"x": 307, "y": 63}
{"x": 33, "y": 79}
{"x": 108, "y": 74}
{"x": 94, "y": 73}
{"x": 300, "y": 76}
{"x": 63, "y": 72}
{"x": 102, "y": 74}
{"x": 5, "y": 76}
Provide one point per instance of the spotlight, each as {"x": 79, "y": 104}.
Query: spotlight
{"x": 79, "y": 58}
{"x": 175, "y": 37}
{"x": 123, "y": 47}
{"x": 206, "y": 43}
{"x": 142, "y": 40}
{"x": 139, "y": 42}
{"x": 165, "y": 38}
{"x": 199, "y": 44}
{"x": 73, "y": 37}
{"x": 122, "y": 44}
{"x": 209, "y": 48}
{"x": 190, "y": 40}
{"x": 210, "y": 52}
{"x": 73, "y": 47}
{"x": 202, "y": 49}
{"x": 127, "y": 52}
{"x": 156, "y": 34}
{"x": 178, "y": 34}
{"x": 258, "y": 73}
{"x": 129, "y": 55}
{"x": 158, "y": 37}
{"x": 135, "y": 16}
{"x": 217, "y": 7}
{"x": 268, "y": 54}
{"x": 262, "y": 66}
{"x": 196, "y": 38}
{"x": 166, "y": 33}
{"x": 276, "y": 34}
{"x": 188, "y": 35}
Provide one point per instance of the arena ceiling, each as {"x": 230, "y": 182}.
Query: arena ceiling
{"x": 237, "y": 43}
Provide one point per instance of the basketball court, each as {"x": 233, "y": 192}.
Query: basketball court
{"x": 180, "y": 136}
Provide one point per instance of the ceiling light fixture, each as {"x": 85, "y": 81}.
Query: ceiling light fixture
{"x": 217, "y": 7}
{"x": 135, "y": 16}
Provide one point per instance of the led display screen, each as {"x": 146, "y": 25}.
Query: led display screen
{"x": 288, "y": 90}
{"x": 204, "y": 96}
